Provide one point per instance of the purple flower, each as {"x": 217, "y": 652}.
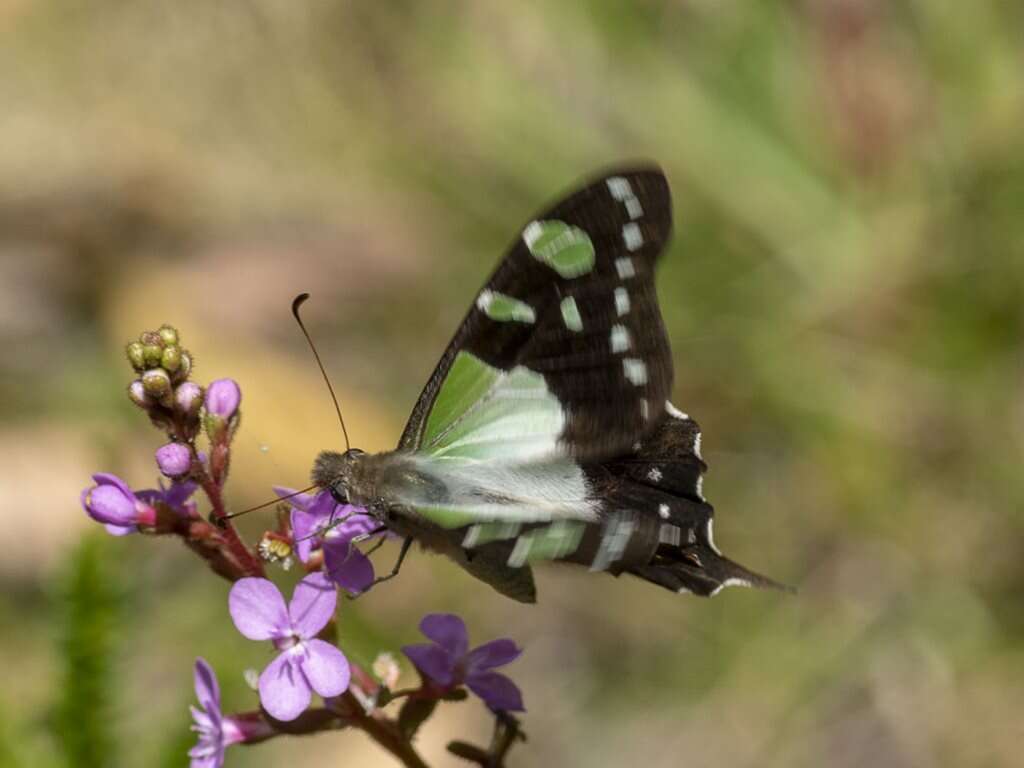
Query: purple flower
{"x": 320, "y": 522}
{"x": 216, "y": 732}
{"x": 448, "y": 661}
{"x": 305, "y": 663}
{"x": 174, "y": 459}
{"x": 222, "y": 398}
{"x": 112, "y": 503}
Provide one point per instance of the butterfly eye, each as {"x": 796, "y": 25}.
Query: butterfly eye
{"x": 339, "y": 493}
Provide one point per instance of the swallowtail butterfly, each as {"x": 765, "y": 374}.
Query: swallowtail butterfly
{"x": 546, "y": 431}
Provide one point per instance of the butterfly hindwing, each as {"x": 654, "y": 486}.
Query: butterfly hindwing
{"x": 569, "y": 321}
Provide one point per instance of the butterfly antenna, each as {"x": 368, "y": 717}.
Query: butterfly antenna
{"x": 296, "y": 303}
{"x": 265, "y": 504}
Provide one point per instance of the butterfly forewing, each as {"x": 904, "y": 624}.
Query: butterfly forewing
{"x": 564, "y": 348}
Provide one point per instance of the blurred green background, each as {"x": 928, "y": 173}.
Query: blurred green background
{"x": 845, "y": 297}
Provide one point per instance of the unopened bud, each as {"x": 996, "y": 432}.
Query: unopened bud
{"x": 151, "y": 354}
{"x": 222, "y": 398}
{"x": 137, "y": 394}
{"x": 171, "y": 358}
{"x": 168, "y": 335}
{"x": 174, "y": 459}
{"x": 150, "y": 338}
{"x": 156, "y": 382}
{"x": 136, "y": 355}
{"x": 184, "y": 366}
{"x": 188, "y": 397}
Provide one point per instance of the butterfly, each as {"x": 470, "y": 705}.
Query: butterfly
{"x": 545, "y": 433}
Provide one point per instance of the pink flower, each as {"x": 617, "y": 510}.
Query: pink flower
{"x": 305, "y": 663}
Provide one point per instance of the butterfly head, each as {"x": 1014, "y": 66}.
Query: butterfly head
{"x": 335, "y": 472}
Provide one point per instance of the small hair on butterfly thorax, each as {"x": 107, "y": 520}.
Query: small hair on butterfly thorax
{"x": 335, "y": 472}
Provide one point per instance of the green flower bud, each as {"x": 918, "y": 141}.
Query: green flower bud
{"x": 171, "y": 358}
{"x": 156, "y": 382}
{"x": 136, "y": 355}
{"x": 168, "y": 334}
{"x": 151, "y": 338}
{"x": 151, "y": 354}
{"x": 184, "y": 366}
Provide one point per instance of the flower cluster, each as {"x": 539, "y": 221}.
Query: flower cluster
{"x": 325, "y": 537}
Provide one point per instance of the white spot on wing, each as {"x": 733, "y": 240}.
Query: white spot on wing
{"x": 613, "y": 544}
{"x": 710, "y": 536}
{"x": 633, "y": 208}
{"x": 670, "y": 534}
{"x": 619, "y": 339}
{"x": 732, "y": 581}
{"x": 631, "y": 236}
{"x": 663, "y": 511}
{"x": 571, "y": 314}
{"x": 532, "y": 232}
{"x": 700, "y": 487}
{"x": 645, "y": 414}
{"x": 635, "y": 371}
{"x": 654, "y": 475}
{"x": 674, "y": 412}
{"x": 696, "y": 447}
{"x": 621, "y": 301}
{"x": 620, "y": 188}
{"x": 624, "y": 266}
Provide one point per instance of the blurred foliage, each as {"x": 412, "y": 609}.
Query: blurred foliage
{"x": 845, "y": 298}
{"x": 84, "y": 721}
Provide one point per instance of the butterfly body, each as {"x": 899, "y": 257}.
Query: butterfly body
{"x": 546, "y": 431}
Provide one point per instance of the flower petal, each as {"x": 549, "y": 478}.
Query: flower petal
{"x": 105, "y": 478}
{"x": 207, "y": 689}
{"x": 176, "y": 496}
{"x": 258, "y": 610}
{"x": 301, "y": 500}
{"x": 432, "y": 661}
{"x": 347, "y": 566}
{"x": 304, "y": 533}
{"x": 496, "y": 653}
{"x": 109, "y": 504}
{"x": 326, "y": 668}
{"x": 354, "y": 522}
{"x": 448, "y": 631}
{"x": 497, "y": 691}
{"x": 120, "y": 530}
{"x": 284, "y": 691}
{"x": 312, "y": 605}
{"x": 216, "y": 760}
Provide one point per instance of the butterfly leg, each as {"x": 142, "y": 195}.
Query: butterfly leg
{"x": 406, "y": 544}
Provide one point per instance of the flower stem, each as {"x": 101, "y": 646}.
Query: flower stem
{"x": 247, "y": 562}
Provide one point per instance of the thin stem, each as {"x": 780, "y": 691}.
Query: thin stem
{"x": 248, "y": 563}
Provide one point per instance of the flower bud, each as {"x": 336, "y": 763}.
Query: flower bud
{"x": 171, "y": 358}
{"x": 112, "y": 503}
{"x": 222, "y": 398}
{"x": 151, "y": 354}
{"x": 136, "y": 355}
{"x": 188, "y": 397}
{"x": 137, "y": 394}
{"x": 156, "y": 382}
{"x": 174, "y": 459}
{"x": 168, "y": 334}
{"x": 184, "y": 367}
